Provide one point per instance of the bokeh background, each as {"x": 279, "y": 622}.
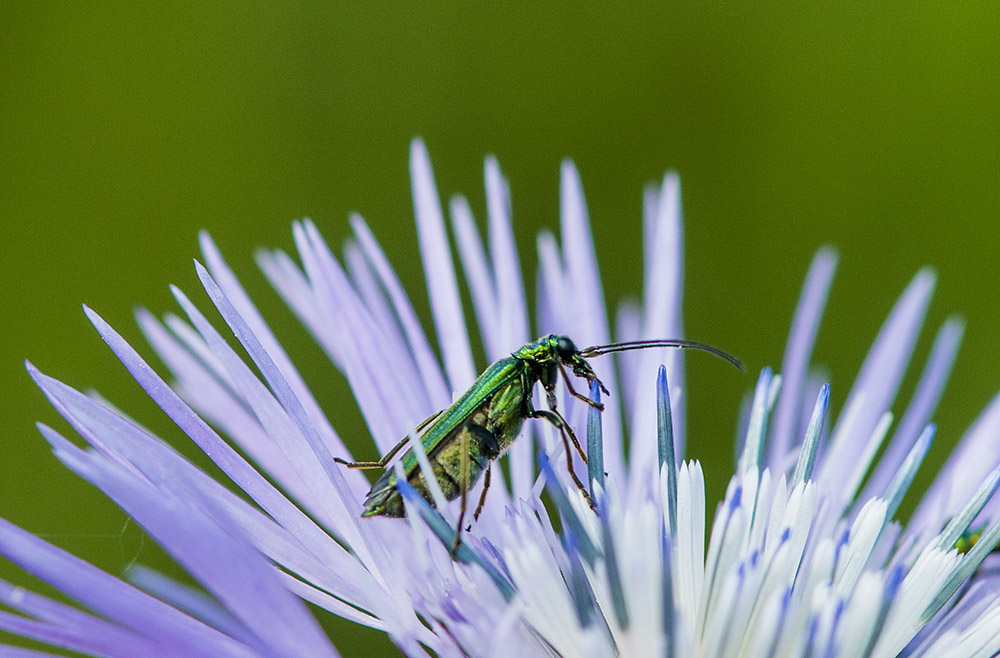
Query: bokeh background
{"x": 126, "y": 129}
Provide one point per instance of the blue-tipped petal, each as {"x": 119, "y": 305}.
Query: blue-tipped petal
{"x": 810, "y": 445}
{"x": 961, "y": 522}
{"x": 900, "y": 484}
{"x": 665, "y": 445}
{"x": 595, "y": 442}
{"x": 763, "y": 398}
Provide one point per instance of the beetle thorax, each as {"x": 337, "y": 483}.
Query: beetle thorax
{"x": 540, "y": 351}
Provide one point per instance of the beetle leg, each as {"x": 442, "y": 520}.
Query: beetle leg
{"x": 578, "y": 396}
{"x": 556, "y": 419}
{"x": 380, "y": 463}
{"x": 482, "y": 496}
{"x": 464, "y": 485}
{"x": 564, "y": 431}
{"x": 384, "y": 461}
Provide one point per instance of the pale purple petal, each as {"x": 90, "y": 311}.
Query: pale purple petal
{"x": 628, "y": 327}
{"x": 227, "y": 566}
{"x": 580, "y": 260}
{"x": 110, "y": 597}
{"x": 921, "y": 408}
{"x": 978, "y": 599}
{"x": 190, "y": 341}
{"x": 554, "y": 315}
{"x": 650, "y": 217}
{"x": 220, "y": 404}
{"x": 241, "y": 301}
{"x": 321, "y": 599}
{"x": 225, "y": 457}
{"x": 662, "y": 298}
{"x": 387, "y": 402}
{"x": 129, "y": 447}
{"x": 62, "y": 625}
{"x": 375, "y": 304}
{"x": 974, "y": 458}
{"x": 93, "y": 640}
{"x": 261, "y": 491}
{"x": 798, "y": 351}
{"x": 426, "y": 362}
{"x": 513, "y": 320}
{"x": 587, "y": 315}
{"x": 513, "y": 311}
{"x": 875, "y": 387}
{"x": 278, "y": 423}
{"x": 8, "y": 651}
{"x": 291, "y": 284}
{"x": 478, "y": 276}
{"x": 340, "y": 505}
{"x": 442, "y": 287}
{"x": 661, "y": 319}
{"x": 362, "y": 278}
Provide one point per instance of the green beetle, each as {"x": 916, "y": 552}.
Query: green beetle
{"x": 463, "y": 440}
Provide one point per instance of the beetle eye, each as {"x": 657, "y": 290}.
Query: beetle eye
{"x": 565, "y": 348}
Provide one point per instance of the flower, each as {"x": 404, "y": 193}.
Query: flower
{"x": 805, "y": 555}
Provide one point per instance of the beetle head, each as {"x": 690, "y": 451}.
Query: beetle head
{"x": 569, "y": 355}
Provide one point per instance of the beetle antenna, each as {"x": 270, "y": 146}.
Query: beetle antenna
{"x": 598, "y": 350}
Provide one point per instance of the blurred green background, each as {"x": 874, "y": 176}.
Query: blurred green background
{"x": 126, "y": 129}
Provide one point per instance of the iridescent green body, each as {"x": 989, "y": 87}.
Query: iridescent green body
{"x": 481, "y": 425}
